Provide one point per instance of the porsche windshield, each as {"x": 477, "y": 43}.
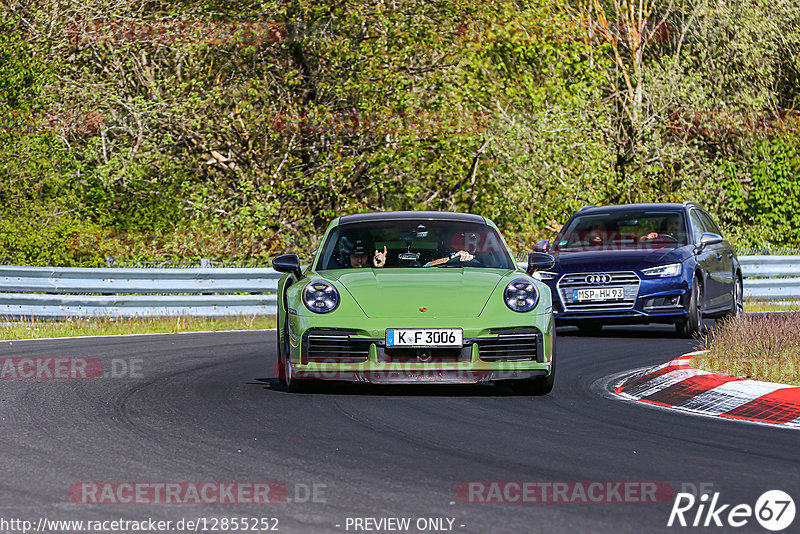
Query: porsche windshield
{"x": 414, "y": 244}
{"x": 623, "y": 230}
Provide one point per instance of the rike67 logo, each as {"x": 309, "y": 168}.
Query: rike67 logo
{"x": 774, "y": 510}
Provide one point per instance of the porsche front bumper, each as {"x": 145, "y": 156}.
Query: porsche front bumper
{"x": 327, "y": 349}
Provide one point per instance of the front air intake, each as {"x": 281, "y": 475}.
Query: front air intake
{"x": 518, "y": 345}
{"x": 334, "y": 346}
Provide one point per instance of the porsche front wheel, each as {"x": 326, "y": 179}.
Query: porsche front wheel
{"x": 540, "y": 386}
{"x": 293, "y": 384}
{"x": 281, "y": 335}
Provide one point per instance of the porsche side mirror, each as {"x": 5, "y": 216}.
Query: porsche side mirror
{"x": 707, "y": 239}
{"x": 539, "y": 260}
{"x": 542, "y": 246}
{"x": 288, "y": 263}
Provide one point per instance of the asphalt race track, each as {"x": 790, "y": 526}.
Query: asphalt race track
{"x": 206, "y": 407}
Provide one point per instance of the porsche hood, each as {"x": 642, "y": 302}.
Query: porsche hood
{"x": 442, "y": 292}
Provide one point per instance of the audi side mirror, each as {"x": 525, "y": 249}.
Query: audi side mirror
{"x": 288, "y": 263}
{"x": 539, "y": 260}
{"x": 542, "y": 246}
{"x": 709, "y": 238}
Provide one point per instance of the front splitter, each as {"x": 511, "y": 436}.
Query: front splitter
{"x": 432, "y": 376}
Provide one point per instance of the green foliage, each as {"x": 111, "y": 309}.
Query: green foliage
{"x": 208, "y": 144}
{"x": 774, "y": 200}
{"x": 42, "y": 238}
{"x": 763, "y": 193}
{"x": 21, "y": 72}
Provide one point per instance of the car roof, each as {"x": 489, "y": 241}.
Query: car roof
{"x": 660, "y": 206}
{"x": 401, "y": 215}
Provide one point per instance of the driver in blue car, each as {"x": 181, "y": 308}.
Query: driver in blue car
{"x": 671, "y": 228}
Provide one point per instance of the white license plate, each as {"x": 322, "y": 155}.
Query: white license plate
{"x": 598, "y": 293}
{"x": 424, "y": 337}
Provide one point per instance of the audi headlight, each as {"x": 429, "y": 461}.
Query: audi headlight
{"x": 663, "y": 271}
{"x": 320, "y": 297}
{"x": 544, "y": 275}
{"x": 521, "y": 295}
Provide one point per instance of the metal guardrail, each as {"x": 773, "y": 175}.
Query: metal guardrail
{"x": 70, "y": 292}
{"x": 767, "y": 251}
{"x": 59, "y": 292}
{"x": 771, "y": 277}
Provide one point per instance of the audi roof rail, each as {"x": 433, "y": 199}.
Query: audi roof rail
{"x": 688, "y": 203}
{"x": 587, "y": 207}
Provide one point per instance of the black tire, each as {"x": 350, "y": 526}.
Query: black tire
{"x": 539, "y": 386}
{"x": 694, "y": 321}
{"x": 737, "y": 303}
{"x": 280, "y": 334}
{"x": 294, "y": 385}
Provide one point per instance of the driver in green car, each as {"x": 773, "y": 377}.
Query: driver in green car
{"x": 462, "y": 255}
{"x": 353, "y": 252}
{"x": 459, "y": 255}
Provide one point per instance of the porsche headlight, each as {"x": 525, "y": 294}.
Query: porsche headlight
{"x": 663, "y": 271}
{"x": 320, "y": 297}
{"x": 521, "y": 295}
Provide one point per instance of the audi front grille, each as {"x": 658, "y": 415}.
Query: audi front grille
{"x": 627, "y": 280}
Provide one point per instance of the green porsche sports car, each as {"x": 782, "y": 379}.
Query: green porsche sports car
{"x": 415, "y": 297}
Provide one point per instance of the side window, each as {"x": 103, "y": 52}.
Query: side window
{"x": 697, "y": 226}
{"x": 709, "y": 223}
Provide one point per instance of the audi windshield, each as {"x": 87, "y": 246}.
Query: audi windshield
{"x": 623, "y": 230}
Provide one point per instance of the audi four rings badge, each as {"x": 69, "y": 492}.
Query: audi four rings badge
{"x": 598, "y": 278}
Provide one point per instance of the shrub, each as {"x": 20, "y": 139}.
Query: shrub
{"x": 761, "y": 347}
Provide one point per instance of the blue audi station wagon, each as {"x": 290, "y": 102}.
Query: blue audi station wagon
{"x": 640, "y": 264}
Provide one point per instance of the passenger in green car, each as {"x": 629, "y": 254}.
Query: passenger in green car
{"x": 355, "y": 249}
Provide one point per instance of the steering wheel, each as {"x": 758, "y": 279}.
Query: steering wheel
{"x": 669, "y": 237}
{"x": 456, "y": 262}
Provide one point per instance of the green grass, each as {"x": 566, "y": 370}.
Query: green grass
{"x": 11, "y": 329}
{"x": 757, "y": 347}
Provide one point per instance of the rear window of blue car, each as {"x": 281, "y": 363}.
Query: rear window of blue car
{"x": 623, "y": 230}
{"x": 413, "y": 243}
